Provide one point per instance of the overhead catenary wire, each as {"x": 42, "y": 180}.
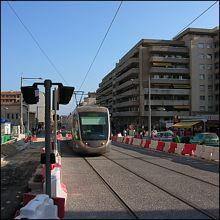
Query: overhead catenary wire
{"x": 197, "y": 18}
{"x": 37, "y": 43}
{"x": 100, "y": 45}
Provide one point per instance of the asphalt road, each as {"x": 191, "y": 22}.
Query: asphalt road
{"x": 152, "y": 185}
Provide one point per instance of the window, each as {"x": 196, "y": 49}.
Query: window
{"x": 16, "y": 115}
{"x": 201, "y": 76}
{"x": 8, "y": 116}
{"x": 209, "y": 87}
{"x": 209, "y": 56}
{"x": 209, "y": 108}
{"x": 201, "y": 66}
{"x": 210, "y": 76}
{"x": 209, "y": 46}
{"x": 200, "y": 45}
{"x": 202, "y": 87}
{"x": 201, "y": 55}
{"x": 202, "y": 97}
{"x": 209, "y": 66}
{"x": 202, "y": 108}
{"x": 210, "y": 97}
{"x": 12, "y": 116}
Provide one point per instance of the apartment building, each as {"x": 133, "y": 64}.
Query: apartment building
{"x": 90, "y": 100}
{"x": 203, "y": 45}
{"x": 183, "y": 75}
{"x": 11, "y": 107}
{"x": 125, "y": 89}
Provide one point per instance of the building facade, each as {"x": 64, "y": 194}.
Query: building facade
{"x": 11, "y": 107}
{"x": 203, "y": 45}
{"x": 173, "y": 70}
{"x": 39, "y": 110}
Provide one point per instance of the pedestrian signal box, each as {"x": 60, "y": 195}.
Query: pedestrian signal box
{"x": 30, "y": 94}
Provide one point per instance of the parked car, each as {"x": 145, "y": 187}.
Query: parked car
{"x": 164, "y": 136}
{"x": 209, "y": 139}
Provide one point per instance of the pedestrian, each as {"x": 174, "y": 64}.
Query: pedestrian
{"x": 124, "y": 132}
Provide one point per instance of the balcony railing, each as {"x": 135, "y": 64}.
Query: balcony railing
{"x": 168, "y": 49}
{"x": 168, "y": 91}
{"x": 169, "y": 59}
{"x": 168, "y": 70}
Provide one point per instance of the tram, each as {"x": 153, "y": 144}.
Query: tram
{"x": 90, "y": 128}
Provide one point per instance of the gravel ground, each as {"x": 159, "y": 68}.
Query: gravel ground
{"x": 16, "y": 170}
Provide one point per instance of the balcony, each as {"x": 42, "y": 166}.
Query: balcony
{"x": 132, "y": 71}
{"x": 126, "y": 84}
{"x": 168, "y": 70}
{"x": 169, "y": 59}
{"x": 169, "y": 49}
{"x": 170, "y": 81}
{"x": 127, "y": 63}
{"x": 168, "y": 91}
{"x": 124, "y": 114}
{"x": 167, "y": 102}
{"x": 131, "y": 92}
{"x": 167, "y": 113}
{"x": 125, "y": 104}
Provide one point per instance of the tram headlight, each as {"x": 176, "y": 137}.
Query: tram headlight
{"x": 103, "y": 143}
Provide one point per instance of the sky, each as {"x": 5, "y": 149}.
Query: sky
{"x": 70, "y": 33}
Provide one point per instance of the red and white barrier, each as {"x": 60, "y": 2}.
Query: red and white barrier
{"x": 41, "y": 207}
{"x": 153, "y": 144}
{"x": 136, "y": 142}
{"x": 200, "y": 151}
{"x": 179, "y": 148}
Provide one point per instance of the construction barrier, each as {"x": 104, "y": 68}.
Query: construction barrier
{"x": 172, "y": 147}
{"x": 136, "y": 141}
{"x": 200, "y": 151}
{"x": 179, "y": 148}
{"x": 41, "y": 207}
{"x": 153, "y": 144}
{"x": 189, "y": 149}
{"x": 166, "y": 146}
{"x": 120, "y": 139}
{"x": 57, "y": 188}
{"x": 160, "y": 145}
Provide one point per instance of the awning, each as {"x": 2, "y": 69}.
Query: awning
{"x": 185, "y": 124}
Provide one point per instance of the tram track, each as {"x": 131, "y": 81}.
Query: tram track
{"x": 114, "y": 193}
{"x": 178, "y": 197}
{"x": 184, "y": 174}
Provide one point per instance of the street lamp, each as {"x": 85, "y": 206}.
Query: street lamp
{"x": 21, "y": 117}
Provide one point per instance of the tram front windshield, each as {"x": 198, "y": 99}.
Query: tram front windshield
{"x": 94, "y": 125}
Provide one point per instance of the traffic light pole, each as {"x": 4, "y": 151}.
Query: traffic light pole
{"x": 47, "y": 85}
{"x": 65, "y": 94}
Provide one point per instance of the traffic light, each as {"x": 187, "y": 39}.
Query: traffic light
{"x": 30, "y": 94}
{"x": 65, "y": 94}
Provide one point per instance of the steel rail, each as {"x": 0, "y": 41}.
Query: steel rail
{"x": 113, "y": 191}
{"x": 199, "y": 209}
{"x": 184, "y": 174}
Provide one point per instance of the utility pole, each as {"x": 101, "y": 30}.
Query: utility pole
{"x": 149, "y": 107}
{"x": 21, "y": 111}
